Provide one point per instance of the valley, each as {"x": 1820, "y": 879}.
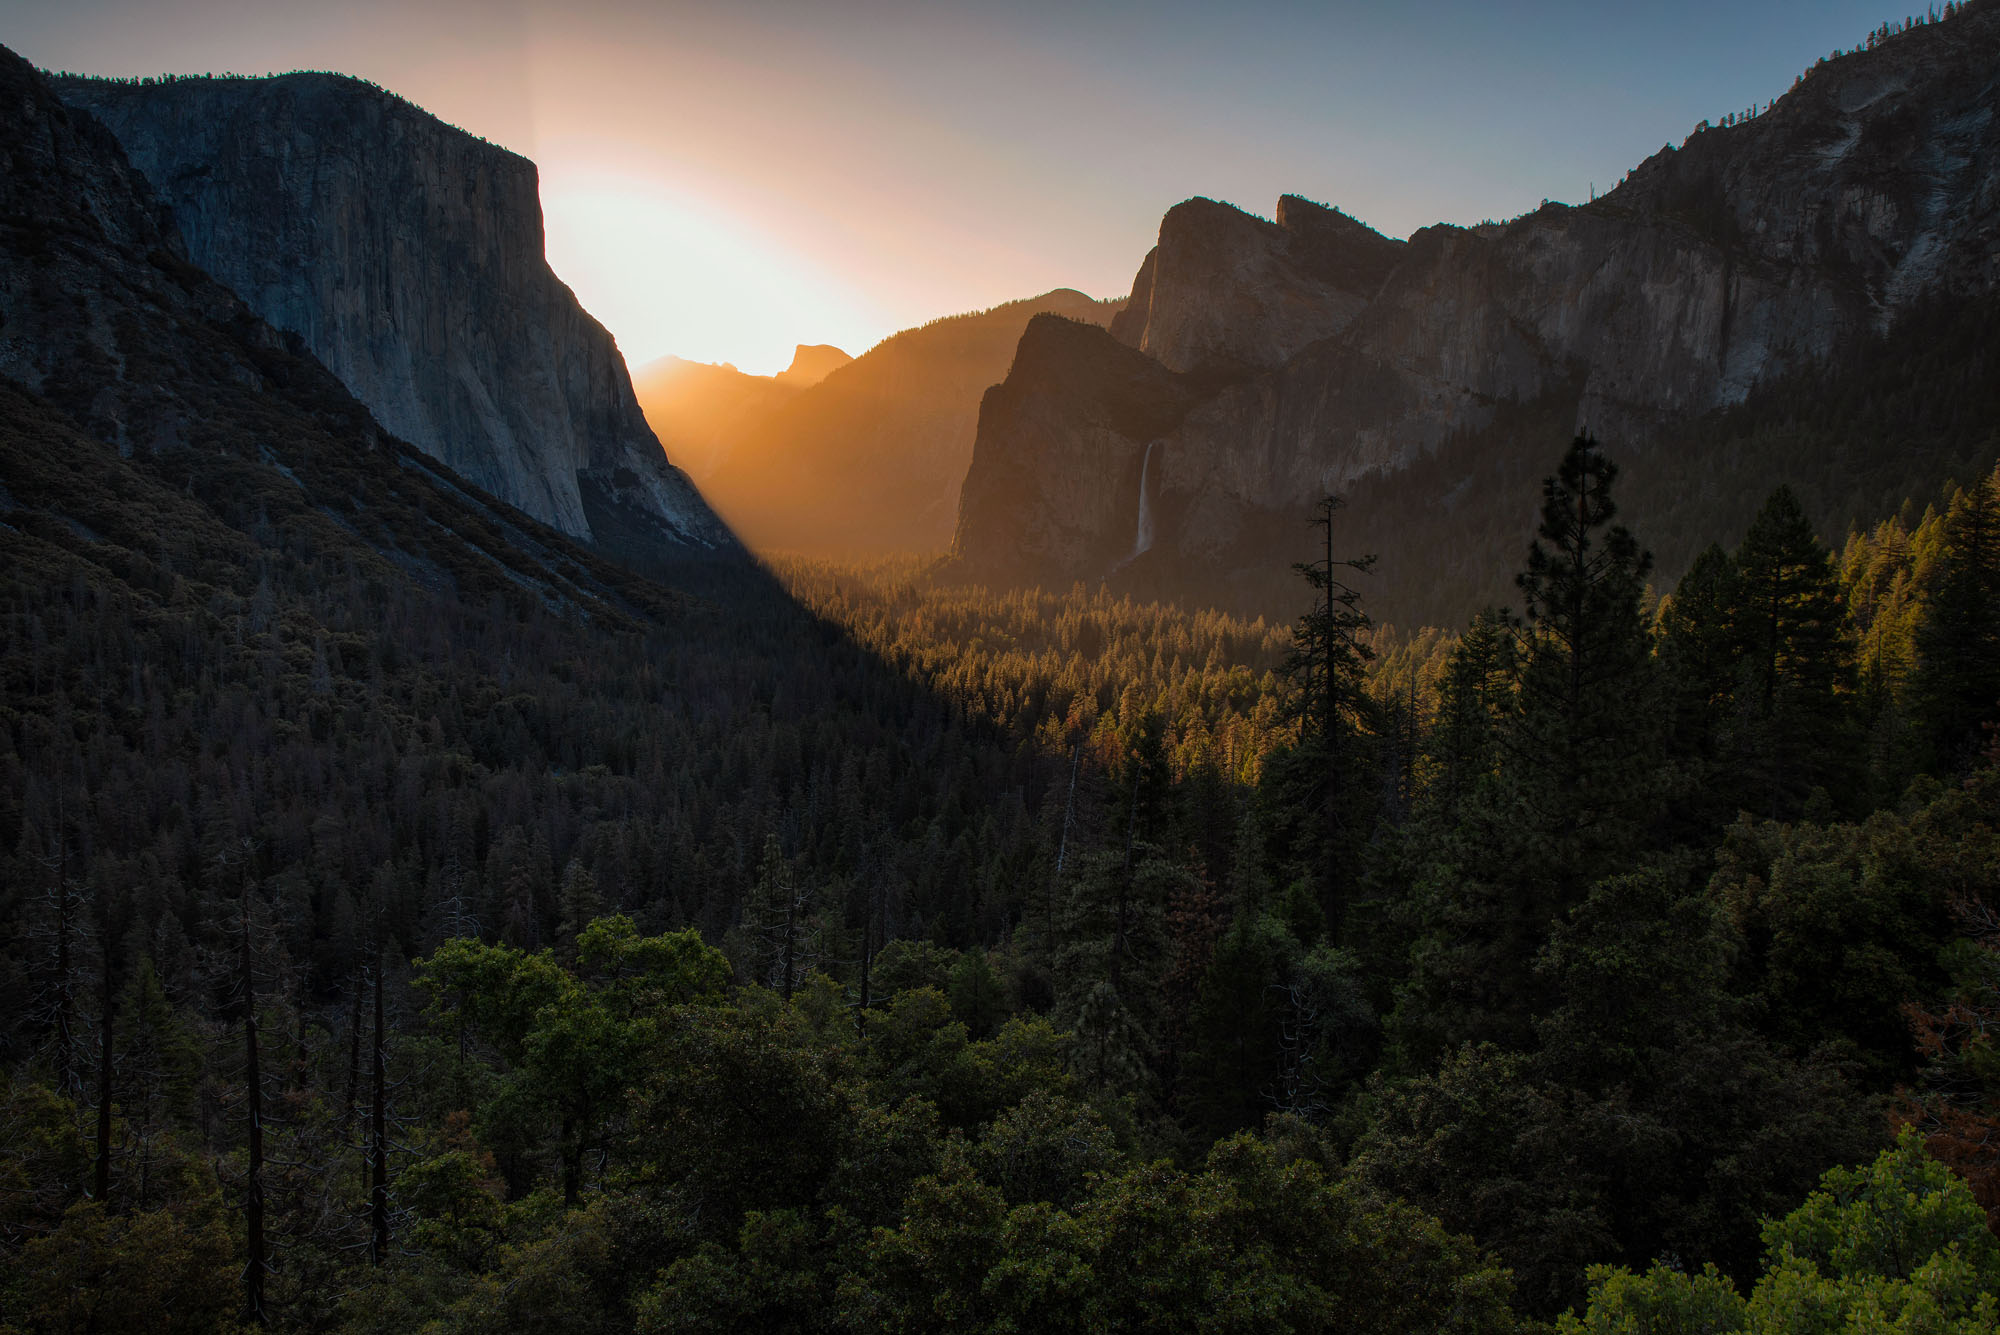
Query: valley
{"x": 1432, "y": 784}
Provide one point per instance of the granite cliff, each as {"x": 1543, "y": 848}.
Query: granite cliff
{"x": 1225, "y": 291}
{"x": 157, "y": 428}
{"x": 1752, "y": 253}
{"x": 407, "y": 256}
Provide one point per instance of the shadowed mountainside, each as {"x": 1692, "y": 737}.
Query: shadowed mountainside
{"x": 407, "y": 256}
{"x": 869, "y": 460}
{"x": 698, "y": 408}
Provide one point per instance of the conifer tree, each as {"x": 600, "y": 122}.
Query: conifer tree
{"x": 1577, "y": 747}
{"x": 160, "y": 1061}
{"x": 1574, "y": 779}
{"x": 1327, "y": 668}
{"x": 581, "y": 905}
{"x": 1698, "y": 649}
{"x": 1795, "y": 694}
{"x": 1956, "y": 686}
{"x": 781, "y": 931}
{"x": 1328, "y": 657}
{"x": 1472, "y": 699}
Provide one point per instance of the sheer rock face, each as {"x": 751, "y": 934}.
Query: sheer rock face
{"x": 408, "y": 257}
{"x": 1062, "y": 445}
{"x": 1224, "y": 291}
{"x": 1749, "y": 252}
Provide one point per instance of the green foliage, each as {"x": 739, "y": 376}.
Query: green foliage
{"x": 1250, "y": 1243}
{"x": 1897, "y": 1245}
{"x": 1886, "y": 1220}
{"x": 904, "y": 964}
{"x": 571, "y": 1051}
{"x": 772, "y": 1282}
{"x": 1045, "y": 1148}
{"x": 1491, "y": 1151}
{"x": 155, "y": 1270}
{"x": 1844, "y": 923}
{"x": 455, "y": 1198}
{"x": 647, "y": 974}
{"x": 1663, "y": 1301}
{"x": 739, "y": 1110}
{"x": 978, "y": 999}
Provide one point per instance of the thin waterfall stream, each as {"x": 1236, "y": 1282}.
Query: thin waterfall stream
{"x": 1142, "y": 541}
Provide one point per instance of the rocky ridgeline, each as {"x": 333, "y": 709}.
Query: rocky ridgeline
{"x": 407, "y": 256}
{"x": 1224, "y": 291}
{"x": 1324, "y": 353}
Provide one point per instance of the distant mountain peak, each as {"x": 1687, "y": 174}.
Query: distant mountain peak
{"x": 812, "y": 363}
{"x": 869, "y": 460}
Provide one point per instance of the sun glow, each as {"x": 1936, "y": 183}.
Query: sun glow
{"x": 669, "y": 273}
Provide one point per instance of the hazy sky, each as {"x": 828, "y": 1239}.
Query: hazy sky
{"x": 722, "y": 181}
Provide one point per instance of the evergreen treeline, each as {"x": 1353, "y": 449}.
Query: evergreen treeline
{"x": 382, "y": 958}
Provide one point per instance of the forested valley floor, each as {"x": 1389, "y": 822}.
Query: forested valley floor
{"x": 837, "y": 951}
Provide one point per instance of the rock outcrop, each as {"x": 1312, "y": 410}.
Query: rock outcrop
{"x": 408, "y": 257}
{"x": 1080, "y": 405}
{"x": 812, "y": 363}
{"x": 1745, "y": 255}
{"x": 1224, "y": 291}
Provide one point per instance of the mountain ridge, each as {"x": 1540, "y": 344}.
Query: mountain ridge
{"x": 870, "y": 459}
{"x": 1751, "y": 253}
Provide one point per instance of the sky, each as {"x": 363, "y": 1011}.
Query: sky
{"x": 721, "y": 181}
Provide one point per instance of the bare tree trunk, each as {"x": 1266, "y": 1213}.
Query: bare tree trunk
{"x": 791, "y": 939}
{"x": 65, "y": 965}
{"x": 571, "y": 1148}
{"x": 1062, "y": 847}
{"x": 106, "y": 1014}
{"x": 353, "y": 1045}
{"x": 1118, "y": 935}
{"x": 378, "y": 1132}
{"x": 253, "y": 1187}
{"x": 867, "y": 957}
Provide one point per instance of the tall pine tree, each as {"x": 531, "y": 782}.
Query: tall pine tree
{"x": 1575, "y": 778}
{"x": 1956, "y": 687}
{"x": 1795, "y": 692}
{"x": 1327, "y": 668}
{"x": 1578, "y": 748}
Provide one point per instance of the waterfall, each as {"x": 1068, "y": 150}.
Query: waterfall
{"x": 1143, "y": 540}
